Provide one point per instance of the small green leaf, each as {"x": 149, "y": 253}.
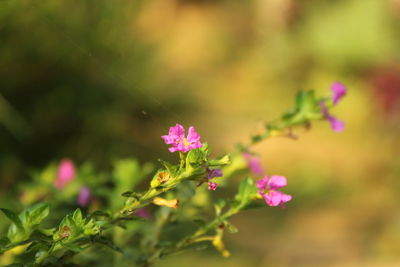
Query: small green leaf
{"x": 219, "y": 205}
{"x": 194, "y": 158}
{"x": 14, "y": 218}
{"x": 100, "y": 213}
{"x": 231, "y": 228}
{"x": 35, "y": 215}
{"x": 73, "y": 247}
{"x": 169, "y": 167}
{"x": 107, "y": 242}
{"x": 4, "y": 241}
{"x": 77, "y": 217}
{"x": 131, "y": 194}
{"x": 225, "y": 160}
{"x": 247, "y": 191}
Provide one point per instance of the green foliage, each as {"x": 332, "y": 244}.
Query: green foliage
{"x": 171, "y": 216}
{"x": 247, "y": 192}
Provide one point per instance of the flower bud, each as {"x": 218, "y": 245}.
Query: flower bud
{"x": 173, "y": 203}
{"x": 160, "y": 178}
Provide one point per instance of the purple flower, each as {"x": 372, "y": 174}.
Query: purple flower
{"x": 336, "y": 125}
{"x": 176, "y": 138}
{"x": 338, "y": 91}
{"x": 212, "y": 174}
{"x": 144, "y": 213}
{"x": 84, "y": 196}
{"x": 212, "y": 186}
{"x": 268, "y": 189}
{"x": 253, "y": 163}
{"x": 65, "y": 173}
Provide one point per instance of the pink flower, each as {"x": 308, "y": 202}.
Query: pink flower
{"x": 176, "y": 138}
{"x": 336, "y": 125}
{"x": 65, "y": 173}
{"x": 253, "y": 163}
{"x": 212, "y": 174}
{"x": 268, "y": 189}
{"x": 84, "y": 196}
{"x": 338, "y": 91}
{"x": 144, "y": 213}
{"x": 212, "y": 186}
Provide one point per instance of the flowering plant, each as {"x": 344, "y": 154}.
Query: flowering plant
{"x": 168, "y": 217}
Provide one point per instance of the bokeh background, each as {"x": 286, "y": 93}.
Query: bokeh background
{"x": 97, "y": 80}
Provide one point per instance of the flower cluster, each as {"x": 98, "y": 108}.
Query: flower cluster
{"x": 212, "y": 174}
{"x": 338, "y": 91}
{"x": 176, "y": 138}
{"x": 268, "y": 189}
{"x": 65, "y": 173}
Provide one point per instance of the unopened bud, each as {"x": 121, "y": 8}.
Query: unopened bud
{"x": 173, "y": 203}
{"x": 160, "y": 178}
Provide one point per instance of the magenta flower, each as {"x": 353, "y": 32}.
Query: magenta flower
{"x": 338, "y": 91}
{"x": 84, "y": 196}
{"x": 144, "y": 213}
{"x": 268, "y": 189}
{"x": 212, "y": 174}
{"x": 65, "y": 173}
{"x": 253, "y": 163}
{"x": 176, "y": 138}
{"x": 212, "y": 186}
{"x": 336, "y": 124}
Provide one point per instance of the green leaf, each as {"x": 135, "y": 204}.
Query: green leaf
{"x": 225, "y": 160}
{"x": 231, "y": 228}
{"x": 4, "y": 241}
{"x": 73, "y": 247}
{"x": 100, "y": 213}
{"x": 219, "y": 205}
{"x": 14, "y": 218}
{"x": 36, "y": 214}
{"x": 107, "y": 242}
{"x": 172, "y": 169}
{"x": 305, "y": 101}
{"x": 77, "y": 217}
{"x": 247, "y": 191}
{"x": 131, "y": 194}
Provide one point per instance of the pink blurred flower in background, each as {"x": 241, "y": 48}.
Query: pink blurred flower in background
{"x": 338, "y": 91}
{"x": 65, "y": 173}
{"x": 268, "y": 189}
{"x": 336, "y": 124}
{"x": 176, "y": 138}
{"x": 144, "y": 213}
{"x": 253, "y": 163}
{"x": 84, "y": 196}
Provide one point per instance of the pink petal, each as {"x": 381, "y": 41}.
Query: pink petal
{"x": 212, "y": 186}
{"x": 336, "y": 125}
{"x": 193, "y": 136}
{"x": 338, "y": 91}
{"x": 84, "y": 197}
{"x": 65, "y": 173}
{"x": 276, "y": 182}
{"x": 285, "y": 197}
{"x": 276, "y": 198}
{"x": 324, "y": 109}
{"x": 178, "y": 131}
{"x": 262, "y": 183}
{"x": 253, "y": 163}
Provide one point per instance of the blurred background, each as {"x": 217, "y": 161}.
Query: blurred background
{"x": 97, "y": 80}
